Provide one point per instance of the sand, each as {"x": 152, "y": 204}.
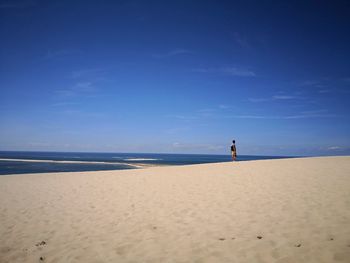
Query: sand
{"x": 289, "y": 210}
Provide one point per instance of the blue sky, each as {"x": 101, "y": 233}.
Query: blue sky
{"x": 175, "y": 76}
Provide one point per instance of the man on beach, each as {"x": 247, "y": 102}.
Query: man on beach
{"x": 233, "y": 150}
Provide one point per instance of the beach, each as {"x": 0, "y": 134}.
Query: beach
{"x": 283, "y": 211}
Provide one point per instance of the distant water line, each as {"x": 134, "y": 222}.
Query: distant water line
{"x": 44, "y": 162}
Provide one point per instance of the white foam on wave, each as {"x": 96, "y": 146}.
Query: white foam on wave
{"x": 141, "y": 159}
{"x": 60, "y": 161}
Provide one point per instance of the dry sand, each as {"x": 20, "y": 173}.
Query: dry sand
{"x": 290, "y": 210}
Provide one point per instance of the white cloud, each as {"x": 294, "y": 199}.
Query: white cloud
{"x": 231, "y": 71}
{"x": 183, "y": 117}
{"x": 224, "y": 107}
{"x": 283, "y": 97}
{"x": 218, "y": 113}
{"x": 238, "y": 72}
{"x": 321, "y": 111}
{"x": 310, "y": 116}
{"x": 274, "y": 97}
{"x": 324, "y": 90}
{"x": 84, "y": 87}
{"x": 287, "y": 117}
{"x": 334, "y": 148}
{"x": 80, "y": 88}
{"x": 254, "y": 117}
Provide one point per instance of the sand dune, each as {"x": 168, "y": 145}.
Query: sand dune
{"x": 285, "y": 211}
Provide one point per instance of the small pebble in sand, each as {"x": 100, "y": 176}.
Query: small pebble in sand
{"x": 233, "y": 238}
{"x": 41, "y": 258}
{"x": 298, "y": 245}
{"x": 221, "y": 239}
{"x": 331, "y": 239}
{"x": 259, "y": 237}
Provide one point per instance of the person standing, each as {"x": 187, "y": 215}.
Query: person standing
{"x": 233, "y": 151}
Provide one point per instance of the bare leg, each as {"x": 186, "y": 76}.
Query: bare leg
{"x": 233, "y": 157}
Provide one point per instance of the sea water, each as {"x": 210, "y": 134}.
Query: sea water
{"x": 12, "y": 162}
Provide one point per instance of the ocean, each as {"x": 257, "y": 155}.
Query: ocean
{"x": 12, "y": 162}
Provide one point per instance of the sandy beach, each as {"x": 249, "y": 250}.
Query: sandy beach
{"x": 285, "y": 211}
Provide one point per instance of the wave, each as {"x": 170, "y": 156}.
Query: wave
{"x": 58, "y": 161}
{"x": 141, "y": 159}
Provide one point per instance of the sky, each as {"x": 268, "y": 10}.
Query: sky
{"x": 175, "y": 76}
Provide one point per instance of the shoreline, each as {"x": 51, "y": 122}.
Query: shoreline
{"x": 132, "y": 165}
{"x": 141, "y": 165}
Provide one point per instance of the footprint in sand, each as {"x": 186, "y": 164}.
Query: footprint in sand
{"x": 42, "y": 243}
{"x": 221, "y": 239}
